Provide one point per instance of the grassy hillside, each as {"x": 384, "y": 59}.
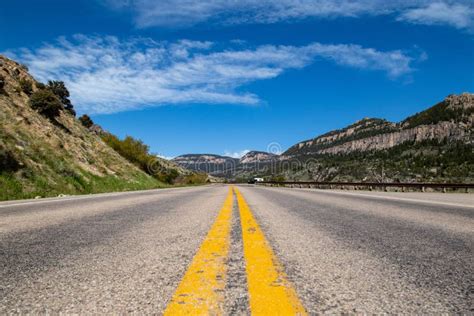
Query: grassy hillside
{"x": 44, "y": 154}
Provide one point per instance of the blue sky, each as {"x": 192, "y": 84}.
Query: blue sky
{"x": 228, "y": 76}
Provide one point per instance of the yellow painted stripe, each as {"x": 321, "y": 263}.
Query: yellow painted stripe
{"x": 270, "y": 292}
{"x": 201, "y": 291}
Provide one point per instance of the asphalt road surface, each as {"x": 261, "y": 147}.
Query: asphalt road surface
{"x": 249, "y": 249}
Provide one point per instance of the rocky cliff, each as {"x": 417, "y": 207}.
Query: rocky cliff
{"x": 257, "y": 156}
{"x": 451, "y": 119}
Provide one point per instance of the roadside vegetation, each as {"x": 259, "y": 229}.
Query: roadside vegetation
{"x": 53, "y": 152}
{"x": 135, "y": 151}
{"x": 80, "y": 183}
{"x": 429, "y": 160}
{"x": 46, "y": 103}
{"x": 49, "y": 173}
{"x": 86, "y": 121}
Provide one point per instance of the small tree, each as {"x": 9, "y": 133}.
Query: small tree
{"x": 70, "y": 109}
{"x": 24, "y": 67}
{"x": 40, "y": 86}
{"x": 46, "y": 103}
{"x": 168, "y": 176}
{"x": 60, "y": 90}
{"x": 278, "y": 178}
{"x": 26, "y": 86}
{"x": 2, "y": 82}
{"x": 86, "y": 121}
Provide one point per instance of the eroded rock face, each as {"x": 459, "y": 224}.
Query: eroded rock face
{"x": 450, "y": 130}
{"x": 378, "y": 134}
{"x": 257, "y": 156}
{"x": 465, "y": 100}
{"x": 202, "y": 158}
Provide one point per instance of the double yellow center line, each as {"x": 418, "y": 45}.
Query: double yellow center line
{"x": 202, "y": 289}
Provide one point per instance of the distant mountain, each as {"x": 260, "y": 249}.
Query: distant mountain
{"x": 257, "y": 156}
{"x": 224, "y": 166}
{"x": 433, "y": 145}
{"x": 215, "y": 165}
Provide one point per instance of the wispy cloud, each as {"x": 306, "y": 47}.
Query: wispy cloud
{"x": 236, "y": 154}
{"x": 188, "y": 12}
{"x": 106, "y": 75}
{"x": 456, "y": 15}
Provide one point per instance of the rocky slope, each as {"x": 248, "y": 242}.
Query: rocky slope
{"x": 451, "y": 119}
{"x": 257, "y": 156}
{"x": 40, "y": 156}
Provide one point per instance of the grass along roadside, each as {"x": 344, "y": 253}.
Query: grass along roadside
{"x": 14, "y": 188}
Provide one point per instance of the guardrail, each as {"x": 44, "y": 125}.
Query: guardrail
{"x": 371, "y": 185}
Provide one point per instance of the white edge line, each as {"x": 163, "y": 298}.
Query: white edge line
{"x": 84, "y": 197}
{"x": 384, "y": 197}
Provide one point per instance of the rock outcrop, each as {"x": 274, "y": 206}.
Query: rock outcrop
{"x": 379, "y": 134}
{"x": 257, "y": 156}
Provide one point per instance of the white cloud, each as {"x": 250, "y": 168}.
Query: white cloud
{"x": 165, "y": 157}
{"x": 456, "y": 15}
{"x": 105, "y": 74}
{"x": 236, "y": 154}
{"x": 188, "y": 12}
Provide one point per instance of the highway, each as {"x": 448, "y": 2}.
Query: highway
{"x": 241, "y": 249}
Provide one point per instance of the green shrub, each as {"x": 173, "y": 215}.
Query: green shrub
{"x": 60, "y": 90}
{"x": 40, "y": 86}
{"x": 8, "y": 162}
{"x": 278, "y": 178}
{"x": 2, "y": 82}
{"x": 135, "y": 151}
{"x": 46, "y": 103}
{"x": 26, "y": 86}
{"x": 86, "y": 121}
{"x": 70, "y": 109}
{"x": 168, "y": 176}
{"x": 131, "y": 149}
{"x": 195, "y": 178}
